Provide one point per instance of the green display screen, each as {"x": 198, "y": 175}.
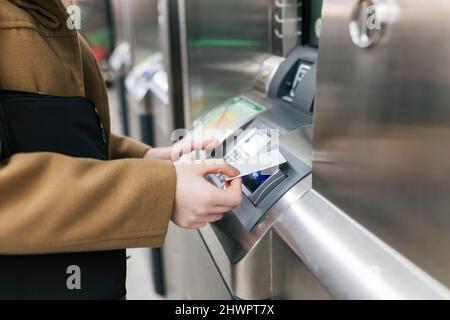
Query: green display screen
{"x": 233, "y": 114}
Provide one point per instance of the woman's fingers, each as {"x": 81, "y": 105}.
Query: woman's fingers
{"x": 215, "y": 166}
{"x": 213, "y": 218}
{"x": 231, "y": 196}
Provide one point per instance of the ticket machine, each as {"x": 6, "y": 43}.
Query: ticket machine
{"x": 265, "y": 120}
{"x": 241, "y": 257}
{"x": 240, "y": 250}
{"x": 358, "y": 212}
{"x": 150, "y": 82}
{"x": 277, "y": 114}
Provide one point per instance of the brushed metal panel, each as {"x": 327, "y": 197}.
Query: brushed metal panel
{"x": 122, "y": 20}
{"x": 347, "y": 259}
{"x": 190, "y": 273}
{"x": 382, "y": 128}
{"x": 136, "y": 22}
{"x": 145, "y": 28}
{"x": 224, "y": 43}
{"x": 292, "y": 279}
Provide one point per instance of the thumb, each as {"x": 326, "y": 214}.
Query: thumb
{"x": 210, "y": 144}
{"x": 218, "y": 166}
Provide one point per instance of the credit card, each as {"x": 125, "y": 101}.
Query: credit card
{"x": 262, "y": 161}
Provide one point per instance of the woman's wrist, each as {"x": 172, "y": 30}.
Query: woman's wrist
{"x": 162, "y": 153}
{"x": 180, "y": 148}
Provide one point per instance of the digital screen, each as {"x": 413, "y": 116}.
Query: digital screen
{"x": 230, "y": 116}
{"x": 253, "y": 181}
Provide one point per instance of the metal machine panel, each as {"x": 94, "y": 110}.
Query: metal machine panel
{"x": 223, "y": 45}
{"x": 186, "y": 278}
{"x": 137, "y": 24}
{"x": 145, "y": 29}
{"x": 382, "y": 123}
{"x": 151, "y": 29}
{"x": 349, "y": 261}
{"x": 122, "y": 20}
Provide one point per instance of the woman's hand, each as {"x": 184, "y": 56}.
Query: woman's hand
{"x": 197, "y": 201}
{"x": 180, "y": 148}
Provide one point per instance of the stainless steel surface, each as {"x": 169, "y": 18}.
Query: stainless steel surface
{"x": 374, "y": 224}
{"x": 365, "y": 32}
{"x": 291, "y": 278}
{"x": 190, "y": 272}
{"x": 144, "y": 30}
{"x": 382, "y": 129}
{"x": 235, "y": 250}
{"x": 169, "y": 34}
{"x": 240, "y": 256}
{"x": 348, "y": 260}
{"x": 299, "y": 142}
{"x": 163, "y": 109}
{"x": 122, "y": 20}
{"x": 287, "y": 25}
{"x": 370, "y": 19}
{"x": 136, "y": 22}
{"x": 252, "y": 265}
{"x": 148, "y": 26}
{"x": 266, "y": 73}
{"x": 223, "y": 45}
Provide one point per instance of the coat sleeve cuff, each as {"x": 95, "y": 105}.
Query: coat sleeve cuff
{"x": 126, "y": 148}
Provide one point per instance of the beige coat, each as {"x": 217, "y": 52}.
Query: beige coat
{"x": 53, "y": 203}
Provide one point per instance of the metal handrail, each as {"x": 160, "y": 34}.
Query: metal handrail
{"x": 349, "y": 261}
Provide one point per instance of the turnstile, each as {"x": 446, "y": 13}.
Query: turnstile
{"x": 150, "y": 87}
{"x": 363, "y": 222}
